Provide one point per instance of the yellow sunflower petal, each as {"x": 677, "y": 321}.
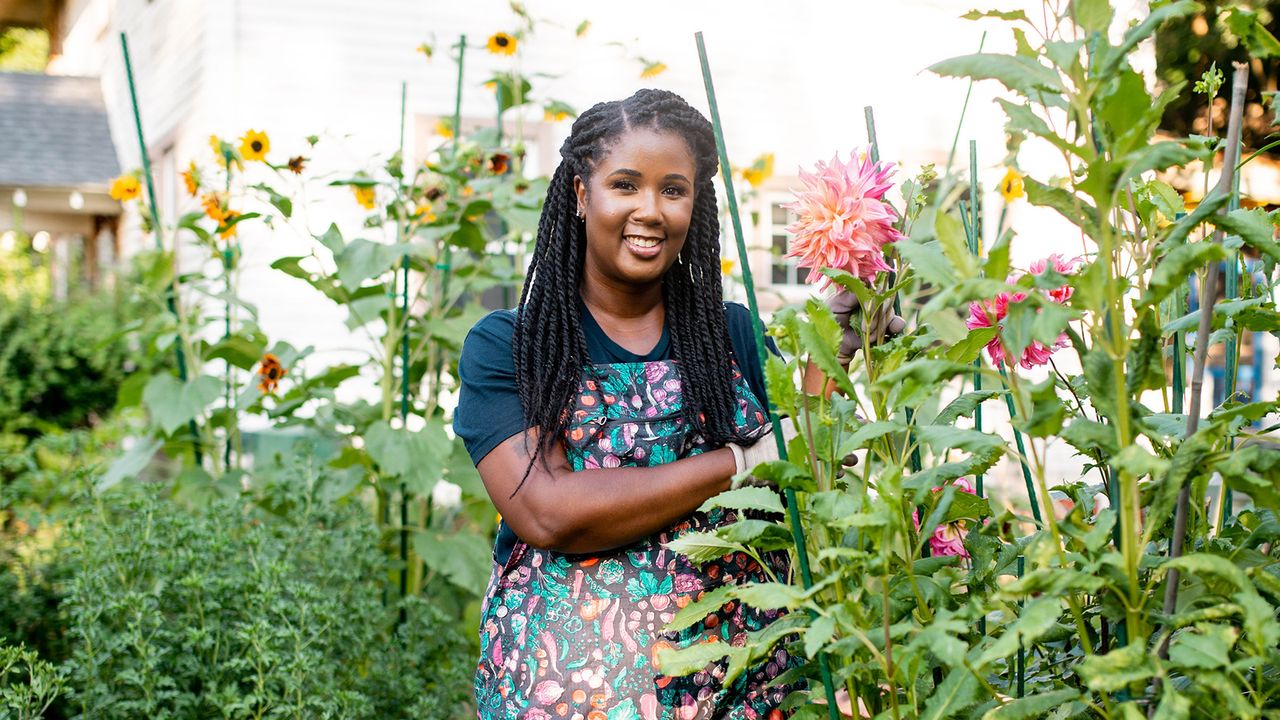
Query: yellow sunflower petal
{"x": 501, "y": 44}
{"x": 254, "y": 145}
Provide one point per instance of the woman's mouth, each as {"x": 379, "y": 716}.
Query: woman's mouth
{"x": 642, "y": 245}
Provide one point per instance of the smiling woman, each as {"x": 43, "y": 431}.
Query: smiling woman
{"x": 599, "y": 414}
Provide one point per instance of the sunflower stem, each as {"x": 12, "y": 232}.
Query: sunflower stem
{"x": 153, "y": 206}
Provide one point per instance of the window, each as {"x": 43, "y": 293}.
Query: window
{"x": 784, "y": 271}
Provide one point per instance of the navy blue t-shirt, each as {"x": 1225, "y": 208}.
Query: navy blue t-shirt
{"x": 489, "y": 409}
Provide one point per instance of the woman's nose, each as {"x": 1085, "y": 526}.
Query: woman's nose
{"x": 647, "y": 210}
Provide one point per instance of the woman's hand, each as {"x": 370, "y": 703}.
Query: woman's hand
{"x": 763, "y": 450}
{"x": 845, "y": 306}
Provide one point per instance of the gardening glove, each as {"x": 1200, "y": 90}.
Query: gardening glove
{"x": 844, "y": 305}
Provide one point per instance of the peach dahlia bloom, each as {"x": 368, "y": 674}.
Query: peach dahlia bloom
{"x": 843, "y": 221}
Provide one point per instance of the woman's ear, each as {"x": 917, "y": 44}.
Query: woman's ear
{"x": 580, "y": 189}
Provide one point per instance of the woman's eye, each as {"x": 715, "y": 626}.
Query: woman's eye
{"x": 623, "y": 185}
{"x": 674, "y": 191}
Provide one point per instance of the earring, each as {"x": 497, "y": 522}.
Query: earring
{"x": 582, "y": 214}
{"x": 680, "y": 258}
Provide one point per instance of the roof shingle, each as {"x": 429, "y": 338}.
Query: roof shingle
{"x": 54, "y": 131}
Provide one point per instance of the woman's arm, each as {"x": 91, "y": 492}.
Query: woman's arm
{"x": 597, "y": 509}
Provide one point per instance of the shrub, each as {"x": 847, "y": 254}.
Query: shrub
{"x": 223, "y": 613}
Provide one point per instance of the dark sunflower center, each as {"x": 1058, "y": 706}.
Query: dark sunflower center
{"x": 256, "y": 145}
{"x": 273, "y": 373}
{"x": 502, "y": 41}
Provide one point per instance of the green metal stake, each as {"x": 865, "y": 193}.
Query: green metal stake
{"x": 170, "y": 297}
{"x": 228, "y": 259}
{"x": 793, "y": 510}
{"x": 404, "y": 374}
{"x": 873, "y": 149}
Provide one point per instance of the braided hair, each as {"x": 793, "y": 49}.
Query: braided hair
{"x": 549, "y": 348}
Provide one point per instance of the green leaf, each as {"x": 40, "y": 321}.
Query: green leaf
{"x": 1037, "y": 618}
{"x": 951, "y": 237}
{"x": 1138, "y": 33}
{"x": 818, "y": 635}
{"x": 1174, "y": 268}
{"x": 1022, "y": 75}
{"x": 1246, "y": 25}
{"x": 332, "y": 239}
{"x": 958, "y": 691}
{"x": 464, "y": 558}
{"x": 281, "y": 203}
{"x": 238, "y": 350}
{"x": 128, "y": 465}
{"x": 1088, "y": 437}
{"x": 1092, "y": 15}
{"x": 928, "y": 261}
{"x": 1009, "y": 15}
{"x": 1254, "y": 226}
{"x": 942, "y": 437}
{"x": 964, "y": 406}
{"x": 1117, "y": 669}
{"x": 1033, "y": 706}
{"x": 746, "y": 498}
{"x": 172, "y": 403}
{"x": 1206, "y": 647}
{"x": 703, "y": 547}
{"x": 1068, "y": 204}
{"x": 696, "y": 658}
{"x": 970, "y": 348}
{"x": 416, "y": 458}
{"x": 363, "y": 259}
{"x": 711, "y": 601}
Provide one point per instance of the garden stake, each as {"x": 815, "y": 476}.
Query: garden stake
{"x": 1208, "y": 298}
{"x": 228, "y": 258}
{"x": 1022, "y": 451}
{"x": 945, "y": 184}
{"x": 170, "y": 297}
{"x": 445, "y": 265}
{"x": 793, "y": 511}
{"x": 873, "y": 148}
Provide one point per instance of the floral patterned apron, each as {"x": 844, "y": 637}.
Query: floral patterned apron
{"x": 575, "y": 636}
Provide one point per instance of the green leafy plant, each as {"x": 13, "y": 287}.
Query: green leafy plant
{"x": 1105, "y": 599}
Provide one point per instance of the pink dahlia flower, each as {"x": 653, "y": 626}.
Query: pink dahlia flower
{"x": 991, "y": 313}
{"x": 948, "y": 538}
{"x": 843, "y": 221}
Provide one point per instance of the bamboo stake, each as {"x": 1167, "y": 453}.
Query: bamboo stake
{"x": 1208, "y": 298}
{"x": 793, "y": 510}
{"x": 404, "y": 372}
{"x": 1232, "y": 354}
{"x": 171, "y": 296}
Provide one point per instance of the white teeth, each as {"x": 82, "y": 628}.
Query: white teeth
{"x": 642, "y": 242}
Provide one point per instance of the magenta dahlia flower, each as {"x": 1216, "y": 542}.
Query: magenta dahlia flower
{"x": 1066, "y": 267}
{"x": 948, "y": 538}
{"x": 843, "y": 221}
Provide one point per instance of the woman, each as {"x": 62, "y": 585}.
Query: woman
{"x": 622, "y": 360}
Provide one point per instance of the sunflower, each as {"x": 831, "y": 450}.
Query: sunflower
{"x": 499, "y": 163}
{"x": 296, "y": 164}
{"x": 191, "y": 177}
{"x": 726, "y": 266}
{"x": 444, "y": 128}
{"x": 1011, "y": 185}
{"x": 501, "y": 44}
{"x": 652, "y": 69}
{"x": 254, "y": 145}
{"x": 269, "y": 373}
{"x": 555, "y": 111}
{"x": 125, "y": 188}
{"x": 227, "y": 227}
{"x": 365, "y": 196}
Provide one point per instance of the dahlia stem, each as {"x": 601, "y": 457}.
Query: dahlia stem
{"x": 793, "y": 510}
{"x": 1208, "y": 298}
{"x": 158, "y": 229}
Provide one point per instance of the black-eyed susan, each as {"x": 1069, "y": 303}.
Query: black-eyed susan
{"x": 1011, "y": 187}
{"x": 227, "y": 226}
{"x": 191, "y": 178}
{"x": 269, "y": 373}
{"x": 499, "y": 163}
{"x": 501, "y": 44}
{"x": 125, "y": 188}
{"x": 296, "y": 164}
{"x": 255, "y": 145}
{"x": 652, "y": 68}
{"x": 215, "y": 206}
{"x": 367, "y": 197}
{"x": 760, "y": 170}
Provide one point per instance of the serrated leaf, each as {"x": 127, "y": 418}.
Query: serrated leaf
{"x": 703, "y": 547}
{"x": 964, "y": 406}
{"x": 1022, "y": 75}
{"x": 747, "y": 498}
{"x": 1032, "y": 706}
